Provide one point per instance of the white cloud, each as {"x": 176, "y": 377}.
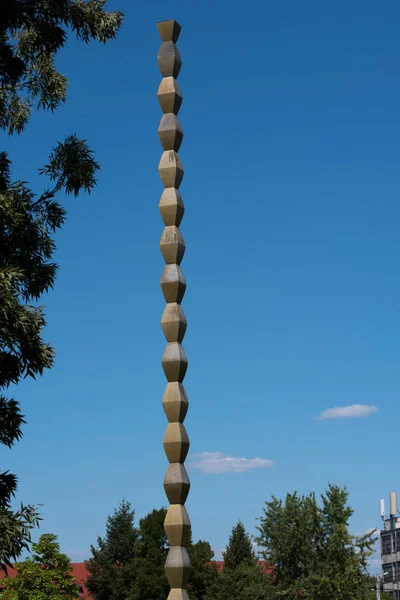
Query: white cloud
{"x": 348, "y": 412}
{"x": 215, "y": 463}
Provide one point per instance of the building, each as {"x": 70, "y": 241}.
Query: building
{"x": 79, "y": 571}
{"x": 390, "y": 548}
{"x": 81, "y": 574}
{"x": 266, "y": 567}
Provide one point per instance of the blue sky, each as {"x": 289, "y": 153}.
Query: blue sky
{"x": 291, "y": 155}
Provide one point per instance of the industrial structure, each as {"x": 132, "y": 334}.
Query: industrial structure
{"x": 390, "y": 547}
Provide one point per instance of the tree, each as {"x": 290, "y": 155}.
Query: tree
{"x": 242, "y": 578}
{"x": 312, "y": 551}
{"x": 239, "y": 549}
{"x": 342, "y": 570}
{"x": 371, "y": 594}
{"x": 46, "y": 576}
{"x": 204, "y": 571}
{"x": 31, "y": 34}
{"x": 246, "y": 582}
{"x": 291, "y": 536}
{"x": 109, "y": 567}
{"x": 128, "y": 562}
{"x": 153, "y": 541}
{"x": 148, "y": 579}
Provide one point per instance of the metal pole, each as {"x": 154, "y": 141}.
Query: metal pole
{"x": 396, "y": 565}
{"x": 378, "y": 587}
{"x": 393, "y": 549}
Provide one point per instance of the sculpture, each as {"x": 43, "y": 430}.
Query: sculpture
{"x": 175, "y": 403}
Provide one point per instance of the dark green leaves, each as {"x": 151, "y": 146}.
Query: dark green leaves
{"x": 246, "y": 582}
{"x": 15, "y": 527}
{"x": 311, "y": 548}
{"x": 204, "y": 572}
{"x": 27, "y": 225}
{"x": 242, "y": 577}
{"x": 128, "y": 562}
{"x": 8, "y": 487}
{"x": 239, "y": 549}
{"x": 89, "y": 20}
{"x": 31, "y": 35}
{"x": 72, "y": 166}
{"x": 11, "y": 421}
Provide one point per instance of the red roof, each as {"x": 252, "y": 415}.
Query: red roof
{"x": 81, "y": 574}
{"x": 79, "y": 571}
{"x": 267, "y": 568}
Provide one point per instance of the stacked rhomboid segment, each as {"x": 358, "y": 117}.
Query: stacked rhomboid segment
{"x": 173, "y": 321}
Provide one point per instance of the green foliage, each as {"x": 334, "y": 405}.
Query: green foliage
{"x": 371, "y": 593}
{"x": 31, "y": 34}
{"x": 153, "y": 543}
{"x": 15, "y": 526}
{"x": 47, "y": 576}
{"x": 291, "y": 536}
{"x": 204, "y": 572}
{"x": 128, "y": 562}
{"x": 109, "y": 574}
{"x": 239, "y": 549}
{"x": 313, "y": 553}
{"x": 27, "y": 225}
{"x": 242, "y": 577}
{"x": 247, "y": 582}
{"x": 307, "y": 544}
{"x": 147, "y": 569}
